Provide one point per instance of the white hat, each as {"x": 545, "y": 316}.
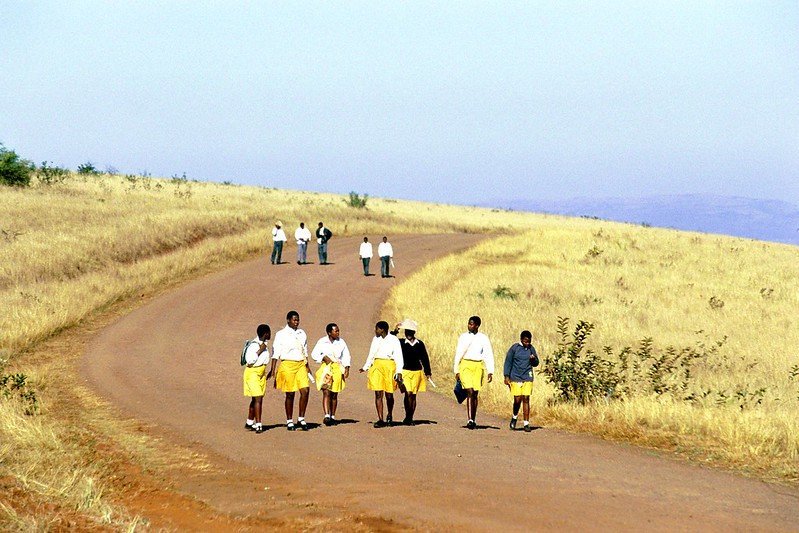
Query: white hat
{"x": 408, "y": 324}
{"x": 278, "y": 223}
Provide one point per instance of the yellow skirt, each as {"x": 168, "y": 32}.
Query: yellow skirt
{"x": 414, "y": 381}
{"x": 381, "y": 375}
{"x": 521, "y": 388}
{"x": 292, "y": 376}
{"x": 471, "y": 374}
{"x": 255, "y": 380}
{"x": 338, "y": 384}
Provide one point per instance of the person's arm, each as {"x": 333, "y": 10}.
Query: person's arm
{"x": 346, "y": 359}
{"x": 508, "y": 366}
{"x": 371, "y": 357}
{"x": 534, "y": 357}
{"x": 272, "y": 369}
{"x": 425, "y": 359}
{"x": 252, "y": 353}
{"x": 318, "y": 352}
{"x": 488, "y": 358}
{"x": 398, "y": 359}
{"x": 460, "y": 349}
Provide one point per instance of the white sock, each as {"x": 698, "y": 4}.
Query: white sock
{"x": 257, "y": 424}
{"x": 250, "y": 422}
{"x": 526, "y": 423}
{"x": 289, "y": 421}
{"x": 333, "y": 417}
{"x": 470, "y": 420}
{"x": 328, "y": 416}
{"x": 515, "y": 417}
{"x": 300, "y": 418}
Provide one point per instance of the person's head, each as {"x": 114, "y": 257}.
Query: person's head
{"x": 321, "y": 224}
{"x": 278, "y": 224}
{"x": 293, "y": 319}
{"x": 333, "y": 331}
{"x": 410, "y": 334}
{"x": 264, "y": 332}
{"x": 366, "y": 239}
{"x": 302, "y": 224}
{"x": 526, "y": 338}
{"x": 385, "y": 239}
{"x": 474, "y": 324}
{"x": 381, "y": 329}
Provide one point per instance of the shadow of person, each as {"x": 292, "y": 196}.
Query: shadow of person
{"x": 345, "y": 421}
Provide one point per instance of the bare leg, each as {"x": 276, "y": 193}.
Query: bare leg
{"x": 326, "y": 401}
{"x": 259, "y": 402}
{"x": 517, "y": 402}
{"x": 251, "y": 409}
{"x": 303, "y": 401}
{"x": 379, "y": 404}
{"x": 475, "y": 402}
{"x": 390, "y": 403}
{"x": 526, "y": 408}
{"x": 289, "y": 405}
{"x": 333, "y": 403}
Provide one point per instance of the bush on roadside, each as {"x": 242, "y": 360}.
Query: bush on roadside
{"x": 14, "y": 170}
{"x": 15, "y": 387}
{"x": 357, "y": 201}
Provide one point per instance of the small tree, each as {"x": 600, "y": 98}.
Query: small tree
{"x": 357, "y": 201}
{"x": 88, "y": 168}
{"x": 14, "y": 170}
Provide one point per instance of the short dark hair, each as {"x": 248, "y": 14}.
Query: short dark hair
{"x": 291, "y": 314}
{"x": 330, "y": 327}
{"x": 382, "y": 325}
{"x": 526, "y": 335}
{"x": 476, "y": 320}
{"x": 263, "y": 328}
{"x": 321, "y": 223}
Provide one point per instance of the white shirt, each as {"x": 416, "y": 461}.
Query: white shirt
{"x": 384, "y": 249}
{"x": 252, "y": 356}
{"x": 290, "y": 345}
{"x": 278, "y": 234}
{"x": 387, "y": 347}
{"x": 366, "y": 250}
{"x": 475, "y": 347}
{"x": 336, "y": 350}
{"x": 302, "y": 235}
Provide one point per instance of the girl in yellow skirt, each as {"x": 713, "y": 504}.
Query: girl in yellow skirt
{"x": 334, "y": 355}
{"x": 518, "y": 371}
{"x": 291, "y": 349}
{"x": 416, "y": 367}
{"x": 472, "y": 353}
{"x": 384, "y": 364}
{"x": 256, "y": 357}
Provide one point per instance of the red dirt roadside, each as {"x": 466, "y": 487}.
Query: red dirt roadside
{"x": 173, "y": 363}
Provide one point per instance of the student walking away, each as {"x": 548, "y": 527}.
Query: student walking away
{"x": 323, "y": 235}
{"x": 278, "y": 238}
{"x": 256, "y": 357}
{"x": 291, "y": 350}
{"x": 471, "y": 355}
{"x": 332, "y": 352}
{"x": 303, "y": 236}
{"x": 384, "y": 364}
{"x": 386, "y": 252}
{"x": 416, "y": 367}
{"x": 365, "y": 254}
{"x": 518, "y": 371}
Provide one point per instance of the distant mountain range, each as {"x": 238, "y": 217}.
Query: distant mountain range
{"x": 767, "y": 220}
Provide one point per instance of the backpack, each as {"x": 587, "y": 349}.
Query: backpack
{"x": 244, "y": 352}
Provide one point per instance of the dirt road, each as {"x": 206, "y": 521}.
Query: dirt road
{"x": 174, "y": 363}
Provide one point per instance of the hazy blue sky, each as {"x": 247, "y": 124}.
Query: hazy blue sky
{"x": 454, "y": 101}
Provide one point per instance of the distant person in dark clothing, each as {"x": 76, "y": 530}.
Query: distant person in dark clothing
{"x": 518, "y": 371}
{"x": 416, "y": 368}
{"x": 322, "y": 236}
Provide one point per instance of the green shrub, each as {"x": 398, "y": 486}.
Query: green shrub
{"x": 88, "y": 168}
{"x": 51, "y": 174}
{"x": 14, "y": 170}
{"x": 15, "y": 386}
{"x": 357, "y": 201}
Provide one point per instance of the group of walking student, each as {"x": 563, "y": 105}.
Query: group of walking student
{"x": 392, "y": 363}
{"x": 303, "y": 236}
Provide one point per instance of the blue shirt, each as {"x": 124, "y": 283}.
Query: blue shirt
{"x": 519, "y": 363}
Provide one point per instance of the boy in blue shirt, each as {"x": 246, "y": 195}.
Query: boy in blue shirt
{"x": 518, "y": 371}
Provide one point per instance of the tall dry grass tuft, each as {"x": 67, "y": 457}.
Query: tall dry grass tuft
{"x": 679, "y": 289}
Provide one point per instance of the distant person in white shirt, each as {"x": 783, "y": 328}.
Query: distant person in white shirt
{"x": 291, "y": 349}
{"x": 278, "y": 238}
{"x": 334, "y": 355}
{"x": 385, "y": 252}
{"x": 385, "y": 370}
{"x": 303, "y": 236}
{"x": 256, "y": 357}
{"x": 472, "y": 353}
{"x": 366, "y": 254}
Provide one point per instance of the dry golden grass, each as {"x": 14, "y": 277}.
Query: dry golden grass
{"x": 635, "y": 282}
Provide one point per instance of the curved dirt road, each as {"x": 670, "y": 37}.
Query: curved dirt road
{"x": 174, "y": 363}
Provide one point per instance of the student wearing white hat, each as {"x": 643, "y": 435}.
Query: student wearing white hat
{"x": 278, "y": 238}
{"x": 416, "y": 367}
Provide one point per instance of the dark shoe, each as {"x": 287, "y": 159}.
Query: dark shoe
{"x": 512, "y": 424}
{"x": 327, "y": 421}
{"x": 259, "y": 429}
{"x": 379, "y": 424}
{"x": 303, "y": 425}
{"x": 389, "y": 420}
{"x": 249, "y": 427}
{"x": 290, "y": 426}
{"x": 528, "y": 428}
{"x": 470, "y": 424}
{"x": 407, "y": 421}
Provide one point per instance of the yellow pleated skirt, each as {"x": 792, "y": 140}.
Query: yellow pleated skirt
{"x": 521, "y": 388}
{"x": 380, "y": 375}
{"x": 338, "y": 384}
{"x": 472, "y": 374}
{"x": 255, "y": 380}
{"x": 292, "y": 376}
{"x": 414, "y": 381}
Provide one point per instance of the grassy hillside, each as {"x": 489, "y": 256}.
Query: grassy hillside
{"x": 729, "y": 391}
{"x": 90, "y": 245}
